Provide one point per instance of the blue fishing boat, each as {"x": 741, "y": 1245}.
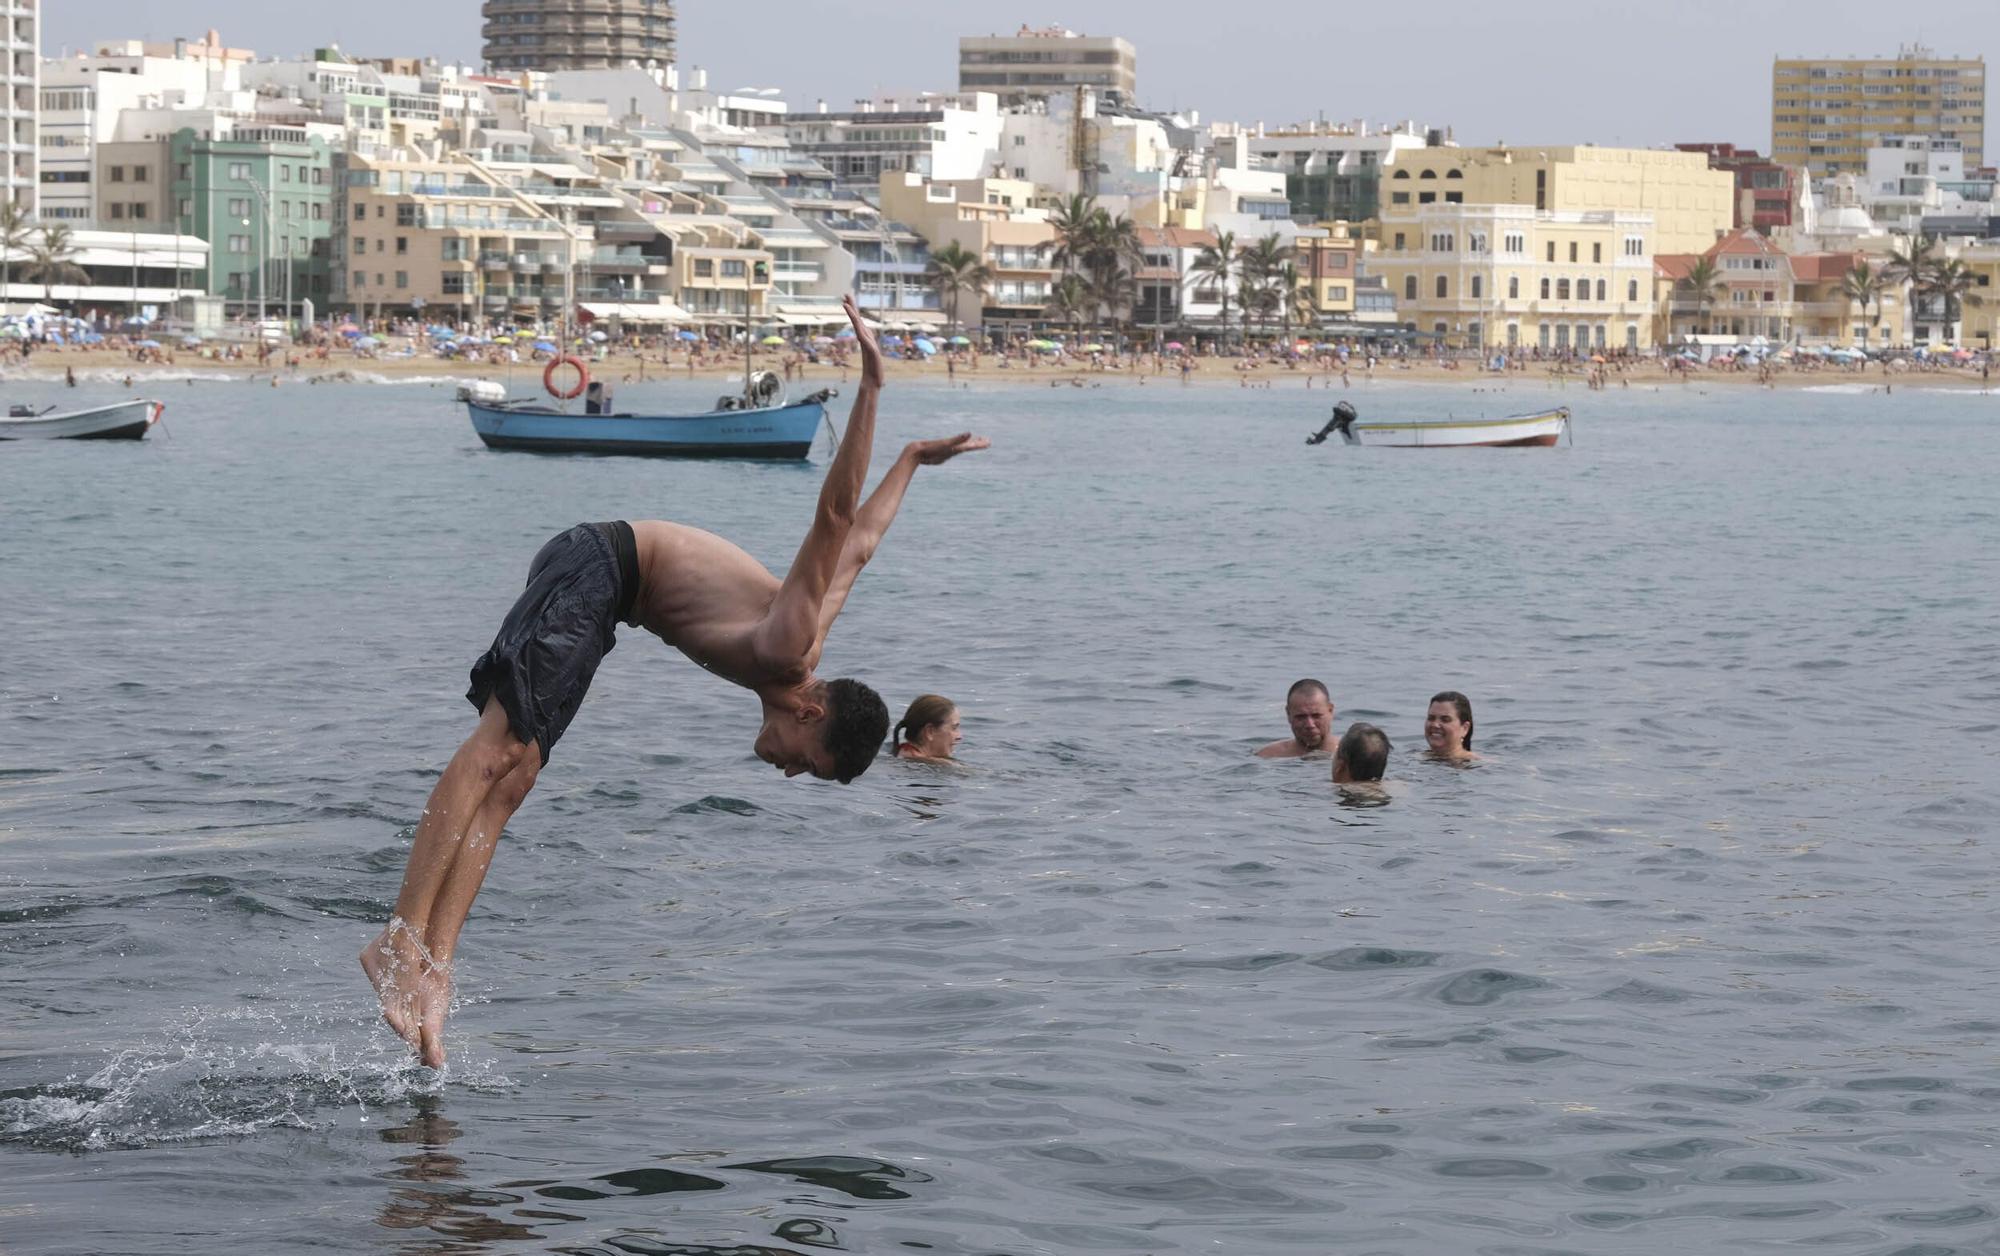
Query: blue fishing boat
{"x": 757, "y": 424}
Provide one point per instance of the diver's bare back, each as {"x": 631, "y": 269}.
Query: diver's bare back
{"x": 706, "y": 597}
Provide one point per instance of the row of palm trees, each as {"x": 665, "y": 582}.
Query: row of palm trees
{"x": 51, "y": 252}
{"x": 1099, "y": 256}
{"x": 1916, "y": 268}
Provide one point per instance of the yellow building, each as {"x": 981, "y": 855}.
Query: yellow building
{"x": 1827, "y": 114}
{"x": 1760, "y": 291}
{"x": 1326, "y": 266}
{"x": 1980, "y": 320}
{"x": 1000, "y": 220}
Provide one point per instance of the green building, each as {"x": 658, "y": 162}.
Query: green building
{"x": 262, "y": 196}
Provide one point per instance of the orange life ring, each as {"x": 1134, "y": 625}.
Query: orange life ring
{"x": 549, "y": 377}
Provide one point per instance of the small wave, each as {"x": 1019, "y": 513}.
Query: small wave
{"x": 1850, "y": 390}
{"x": 195, "y": 1083}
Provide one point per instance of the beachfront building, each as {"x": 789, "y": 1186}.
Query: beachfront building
{"x": 1171, "y": 294}
{"x": 1328, "y": 261}
{"x": 576, "y": 34}
{"x": 84, "y": 95}
{"x": 1332, "y": 171}
{"x": 1768, "y": 195}
{"x": 1047, "y": 61}
{"x": 20, "y": 101}
{"x": 1979, "y": 326}
{"x": 1765, "y": 297}
{"x": 125, "y": 273}
{"x": 1827, "y": 113}
{"x": 1549, "y": 248}
{"x": 933, "y": 135}
{"x": 261, "y": 194}
{"x": 1150, "y": 167}
{"x": 378, "y": 108}
{"x": 1004, "y": 222}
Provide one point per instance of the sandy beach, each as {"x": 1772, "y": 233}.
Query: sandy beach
{"x": 100, "y": 365}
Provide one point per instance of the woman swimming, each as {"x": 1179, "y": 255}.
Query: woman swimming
{"x": 928, "y": 730}
{"x": 1448, "y": 727}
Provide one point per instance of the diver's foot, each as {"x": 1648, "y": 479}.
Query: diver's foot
{"x": 434, "y": 990}
{"x": 395, "y": 963}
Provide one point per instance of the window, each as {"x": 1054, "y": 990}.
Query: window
{"x": 116, "y": 174}
{"x": 1545, "y": 289}
{"x": 1516, "y": 242}
{"x": 360, "y": 212}
{"x": 1552, "y": 250}
{"x": 360, "y": 279}
{"x": 1562, "y": 289}
{"x": 1572, "y": 250}
{"x": 1453, "y": 174}
{"x": 1409, "y": 287}
{"x": 402, "y": 244}
{"x": 141, "y": 211}
{"x": 239, "y": 169}
{"x": 1600, "y": 289}
{"x": 117, "y": 209}
{"x": 1631, "y": 290}
{"x": 732, "y": 269}
{"x": 1478, "y": 287}
{"x": 1337, "y": 292}
{"x": 1399, "y": 235}
{"x": 704, "y": 268}
{"x": 1583, "y": 289}
{"x": 402, "y": 279}
{"x": 183, "y": 170}
{"x": 239, "y": 244}
{"x": 239, "y": 207}
{"x": 1428, "y": 174}
{"x": 284, "y": 174}
{"x": 1441, "y": 287}
{"x": 318, "y": 212}
{"x": 1399, "y": 198}
{"x": 1513, "y": 286}
{"x": 360, "y": 245}
{"x": 1596, "y": 251}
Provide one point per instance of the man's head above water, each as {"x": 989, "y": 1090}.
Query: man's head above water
{"x": 1309, "y": 710}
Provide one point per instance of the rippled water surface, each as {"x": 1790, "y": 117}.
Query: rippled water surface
{"x": 1700, "y": 959}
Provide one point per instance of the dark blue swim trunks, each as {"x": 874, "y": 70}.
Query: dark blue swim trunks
{"x": 580, "y": 586}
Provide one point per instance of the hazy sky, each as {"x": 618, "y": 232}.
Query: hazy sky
{"x": 1526, "y": 73}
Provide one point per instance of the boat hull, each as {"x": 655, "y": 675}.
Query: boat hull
{"x": 127, "y": 420}
{"x": 779, "y": 432}
{"x": 1522, "y": 431}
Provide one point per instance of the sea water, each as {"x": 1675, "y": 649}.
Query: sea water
{"x": 1698, "y": 958}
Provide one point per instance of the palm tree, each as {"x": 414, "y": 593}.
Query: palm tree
{"x": 16, "y": 223}
{"x": 1071, "y": 301}
{"x": 52, "y": 260}
{"x": 1704, "y": 282}
{"x": 1295, "y": 300}
{"x": 1863, "y": 285}
{"x": 1953, "y": 280}
{"x": 1254, "y": 295}
{"x": 1217, "y": 264}
{"x": 1075, "y": 224}
{"x": 1910, "y": 265}
{"x": 954, "y": 269}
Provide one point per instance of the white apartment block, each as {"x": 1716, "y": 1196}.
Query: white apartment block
{"x": 937, "y": 136}
{"x": 82, "y": 98}
{"x": 20, "y": 84}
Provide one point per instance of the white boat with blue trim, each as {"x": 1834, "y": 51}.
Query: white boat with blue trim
{"x": 758, "y": 424}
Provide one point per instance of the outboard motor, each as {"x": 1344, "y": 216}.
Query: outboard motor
{"x": 1342, "y": 421}
{"x": 597, "y": 397}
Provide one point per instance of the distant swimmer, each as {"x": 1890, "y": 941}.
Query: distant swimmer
{"x": 1362, "y": 755}
{"x": 1309, "y": 710}
{"x": 700, "y": 594}
{"x": 928, "y": 730}
{"x": 1448, "y": 727}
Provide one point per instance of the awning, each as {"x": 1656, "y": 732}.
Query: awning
{"x": 652, "y": 312}
{"x": 807, "y": 315}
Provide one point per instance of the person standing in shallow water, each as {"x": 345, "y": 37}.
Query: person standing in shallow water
{"x": 928, "y": 730}
{"x": 1309, "y": 710}
{"x": 1448, "y": 727}
{"x": 700, "y": 594}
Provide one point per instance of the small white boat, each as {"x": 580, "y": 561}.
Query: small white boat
{"x": 125, "y": 420}
{"x": 1544, "y": 427}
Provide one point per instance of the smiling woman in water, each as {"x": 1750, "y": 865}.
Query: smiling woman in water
{"x": 928, "y": 730}
{"x": 1448, "y": 727}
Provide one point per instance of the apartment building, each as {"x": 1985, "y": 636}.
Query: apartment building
{"x": 1827, "y": 113}
{"x": 576, "y": 34}
{"x": 1332, "y": 171}
{"x": 1765, "y": 295}
{"x": 1046, "y": 61}
{"x": 20, "y": 101}
{"x": 1768, "y": 195}
{"x": 938, "y": 137}
{"x": 83, "y": 96}
{"x": 999, "y": 220}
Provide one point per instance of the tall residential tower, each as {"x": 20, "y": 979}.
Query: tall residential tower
{"x": 1827, "y": 113}
{"x": 1051, "y": 61}
{"x": 576, "y": 34}
{"x": 20, "y": 85}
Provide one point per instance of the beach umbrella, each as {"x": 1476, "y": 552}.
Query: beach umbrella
{"x": 366, "y": 342}
{"x": 822, "y": 340}
{"x": 845, "y": 333}
{"x": 924, "y": 346}
{"x": 772, "y": 340}
{"x": 599, "y": 337}
{"x": 543, "y": 346}
{"x": 1042, "y": 344}
{"x": 504, "y": 338}
{"x": 960, "y": 340}
{"x": 686, "y": 335}
{"x": 350, "y": 332}
{"x": 143, "y": 344}
{"x": 190, "y": 342}
{"x": 91, "y": 338}
{"x": 1175, "y": 345}
{"x": 1093, "y": 348}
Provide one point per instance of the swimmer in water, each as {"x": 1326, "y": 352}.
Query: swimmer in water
{"x": 928, "y": 730}
{"x": 1362, "y": 755}
{"x": 1309, "y": 710}
{"x": 700, "y": 594}
{"x": 1448, "y": 727}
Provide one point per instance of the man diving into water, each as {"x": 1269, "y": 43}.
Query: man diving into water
{"x": 700, "y": 594}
